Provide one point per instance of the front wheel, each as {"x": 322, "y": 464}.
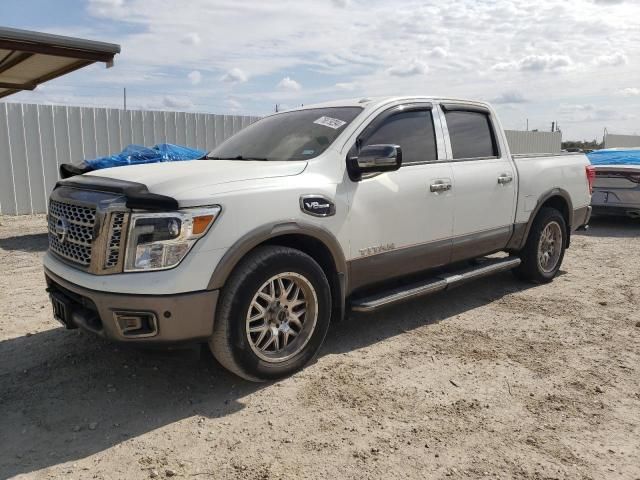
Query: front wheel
{"x": 273, "y": 314}
{"x": 543, "y": 253}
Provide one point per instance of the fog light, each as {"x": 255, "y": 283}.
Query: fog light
{"x": 136, "y": 324}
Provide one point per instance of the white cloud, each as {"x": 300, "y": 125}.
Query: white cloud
{"x": 411, "y": 68}
{"x": 580, "y": 113}
{"x": 341, "y": 3}
{"x": 630, "y": 92}
{"x": 177, "y": 103}
{"x": 510, "y": 97}
{"x": 536, "y": 63}
{"x": 105, "y": 7}
{"x": 347, "y": 86}
{"x": 612, "y": 60}
{"x": 195, "y": 77}
{"x": 191, "y": 38}
{"x": 233, "y": 104}
{"x": 576, "y": 107}
{"x": 288, "y": 83}
{"x": 107, "y": 3}
{"x": 235, "y": 75}
{"x": 438, "y": 52}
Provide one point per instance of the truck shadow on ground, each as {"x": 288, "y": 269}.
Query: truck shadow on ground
{"x": 38, "y": 242}
{"x": 615, "y": 227}
{"x": 66, "y": 395}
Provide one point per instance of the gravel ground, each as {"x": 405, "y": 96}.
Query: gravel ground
{"x": 495, "y": 379}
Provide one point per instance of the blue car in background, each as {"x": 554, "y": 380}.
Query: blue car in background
{"x": 616, "y": 190}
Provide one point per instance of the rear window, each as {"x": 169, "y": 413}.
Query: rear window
{"x": 471, "y": 134}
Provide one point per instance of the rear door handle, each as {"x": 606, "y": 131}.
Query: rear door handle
{"x": 440, "y": 187}
{"x": 504, "y": 179}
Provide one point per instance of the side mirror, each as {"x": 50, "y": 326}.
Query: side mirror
{"x": 374, "y": 159}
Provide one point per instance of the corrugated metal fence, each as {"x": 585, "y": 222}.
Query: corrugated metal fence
{"x": 36, "y": 139}
{"x": 621, "y": 141}
{"x": 534, "y": 142}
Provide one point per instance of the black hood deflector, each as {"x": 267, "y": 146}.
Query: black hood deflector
{"x": 137, "y": 194}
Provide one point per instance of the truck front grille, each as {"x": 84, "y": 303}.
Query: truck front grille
{"x": 71, "y": 230}
{"x": 88, "y": 229}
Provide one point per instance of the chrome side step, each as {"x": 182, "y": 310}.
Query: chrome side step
{"x": 374, "y": 302}
{"x": 432, "y": 285}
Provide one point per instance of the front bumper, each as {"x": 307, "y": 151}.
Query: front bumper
{"x": 173, "y": 318}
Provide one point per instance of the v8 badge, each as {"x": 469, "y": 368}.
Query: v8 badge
{"x": 317, "y": 205}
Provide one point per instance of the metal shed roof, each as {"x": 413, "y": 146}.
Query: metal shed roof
{"x": 28, "y": 59}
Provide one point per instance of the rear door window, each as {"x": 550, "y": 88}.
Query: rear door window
{"x": 471, "y": 134}
{"x": 412, "y": 130}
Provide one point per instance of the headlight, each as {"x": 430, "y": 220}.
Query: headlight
{"x": 158, "y": 241}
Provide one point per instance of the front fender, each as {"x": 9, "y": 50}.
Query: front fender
{"x": 270, "y": 231}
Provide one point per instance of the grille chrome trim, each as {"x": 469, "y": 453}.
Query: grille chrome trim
{"x": 116, "y": 241}
{"x": 87, "y": 229}
{"x": 78, "y": 223}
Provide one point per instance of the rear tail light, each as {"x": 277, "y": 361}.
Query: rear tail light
{"x": 591, "y": 177}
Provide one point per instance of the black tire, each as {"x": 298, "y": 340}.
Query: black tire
{"x": 230, "y": 343}
{"x": 530, "y": 269}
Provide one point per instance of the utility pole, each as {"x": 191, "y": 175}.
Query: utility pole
{"x": 124, "y": 97}
{"x": 527, "y": 124}
{"x": 553, "y": 124}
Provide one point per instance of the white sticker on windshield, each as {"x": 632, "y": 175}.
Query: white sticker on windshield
{"x": 334, "y": 123}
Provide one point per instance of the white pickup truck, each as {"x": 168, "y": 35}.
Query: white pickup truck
{"x": 300, "y": 218}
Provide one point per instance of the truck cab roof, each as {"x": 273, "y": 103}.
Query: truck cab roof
{"x": 375, "y": 102}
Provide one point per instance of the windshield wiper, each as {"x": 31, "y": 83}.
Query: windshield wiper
{"x": 239, "y": 157}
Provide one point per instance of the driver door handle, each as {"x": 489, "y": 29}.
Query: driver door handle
{"x": 504, "y": 179}
{"x": 440, "y": 187}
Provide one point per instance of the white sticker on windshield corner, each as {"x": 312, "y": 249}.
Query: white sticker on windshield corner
{"x": 334, "y": 123}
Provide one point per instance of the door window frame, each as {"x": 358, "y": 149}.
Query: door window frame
{"x": 379, "y": 118}
{"x": 461, "y": 107}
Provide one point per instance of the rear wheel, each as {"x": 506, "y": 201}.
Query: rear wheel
{"x": 273, "y": 314}
{"x": 544, "y": 251}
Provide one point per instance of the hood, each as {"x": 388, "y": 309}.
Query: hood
{"x": 171, "y": 178}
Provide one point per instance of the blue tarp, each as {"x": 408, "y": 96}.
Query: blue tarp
{"x": 615, "y": 156}
{"x": 137, "y": 154}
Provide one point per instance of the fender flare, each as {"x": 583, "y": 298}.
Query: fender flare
{"x": 521, "y": 231}
{"x": 261, "y": 234}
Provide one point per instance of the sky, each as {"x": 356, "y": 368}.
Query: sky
{"x": 576, "y": 62}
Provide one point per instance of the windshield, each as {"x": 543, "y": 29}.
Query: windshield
{"x": 298, "y": 135}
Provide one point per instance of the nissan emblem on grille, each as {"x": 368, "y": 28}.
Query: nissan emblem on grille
{"x": 62, "y": 228}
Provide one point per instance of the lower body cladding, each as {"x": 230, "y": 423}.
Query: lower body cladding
{"x": 134, "y": 318}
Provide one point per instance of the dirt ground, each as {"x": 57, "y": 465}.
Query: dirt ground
{"x": 497, "y": 379}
